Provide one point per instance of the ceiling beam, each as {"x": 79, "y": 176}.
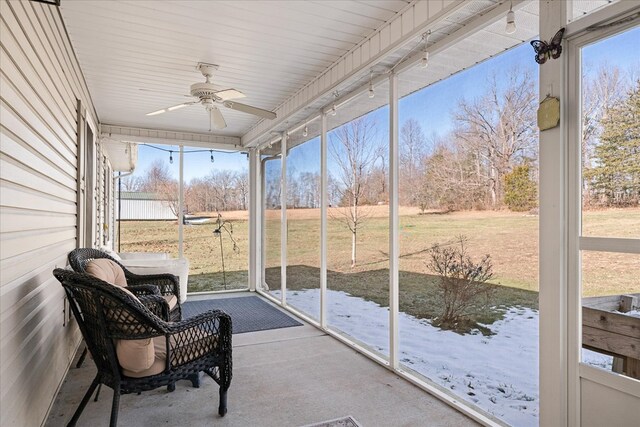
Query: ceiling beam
{"x": 481, "y": 22}
{"x": 167, "y": 137}
{"x": 403, "y": 28}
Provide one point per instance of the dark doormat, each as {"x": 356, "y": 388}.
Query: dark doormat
{"x": 248, "y": 314}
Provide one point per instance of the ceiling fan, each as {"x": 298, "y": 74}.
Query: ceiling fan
{"x": 209, "y": 95}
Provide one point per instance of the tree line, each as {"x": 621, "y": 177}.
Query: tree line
{"x": 220, "y": 190}
{"x": 488, "y": 160}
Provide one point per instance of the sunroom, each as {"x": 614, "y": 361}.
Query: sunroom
{"x": 439, "y": 200}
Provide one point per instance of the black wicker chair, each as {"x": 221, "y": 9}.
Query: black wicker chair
{"x": 106, "y": 313}
{"x": 168, "y": 284}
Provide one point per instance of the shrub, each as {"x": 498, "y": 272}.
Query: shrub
{"x": 461, "y": 282}
{"x": 520, "y": 192}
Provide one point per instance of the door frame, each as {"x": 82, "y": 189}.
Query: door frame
{"x": 580, "y": 34}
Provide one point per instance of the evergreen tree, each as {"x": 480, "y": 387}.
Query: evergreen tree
{"x": 615, "y": 178}
{"x": 520, "y": 193}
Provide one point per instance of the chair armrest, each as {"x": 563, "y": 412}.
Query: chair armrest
{"x": 217, "y": 318}
{"x": 177, "y": 266}
{"x": 206, "y": 333}
{"x": 157, "y": 305}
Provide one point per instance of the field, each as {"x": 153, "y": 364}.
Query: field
{"x": 510, "y": 238}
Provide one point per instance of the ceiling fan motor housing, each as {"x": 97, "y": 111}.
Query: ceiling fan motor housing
{"x": 204, "y": 90}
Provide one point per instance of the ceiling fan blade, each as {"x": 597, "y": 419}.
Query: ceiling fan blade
{"x": 229, "y": 94}
{"x": 163, "y": 91}
{"x": 172, "y": 108}
{"x": 250, "y": 110}
{"x": 217, "y": 119}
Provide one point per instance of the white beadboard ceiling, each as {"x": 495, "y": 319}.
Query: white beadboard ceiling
{"x": 487, "y": 42}
{"x": 139, "y": 56}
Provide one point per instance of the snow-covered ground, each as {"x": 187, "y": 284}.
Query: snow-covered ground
{"x": 498, "y": 373}
{"x": 632, "y": 313}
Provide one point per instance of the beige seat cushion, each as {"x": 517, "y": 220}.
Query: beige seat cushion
{"x": 172, "y": 300}
{"x": 106, "y": 270}
{"x": 191, "y": 350}
{"x": 133, "y": 355}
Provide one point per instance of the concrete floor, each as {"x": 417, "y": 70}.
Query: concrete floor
{"x": 281, "y": 377}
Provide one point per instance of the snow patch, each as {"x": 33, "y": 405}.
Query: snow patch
{"x": 498, "y": 373}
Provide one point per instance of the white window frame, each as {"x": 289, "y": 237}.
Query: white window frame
{"x": 560, "y": 370}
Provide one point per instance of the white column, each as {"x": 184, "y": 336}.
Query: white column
{"x": 181, "y": 205}
{"x": 283, "y": 218}
{"x": 553, "y": 232}
{"x": 323, "y": 220}
{"x": 254, "y": 216}
{"x": 394, "y": 241}
{"x": 262, "y": 169}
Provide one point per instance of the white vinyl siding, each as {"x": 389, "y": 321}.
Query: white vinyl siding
{"x": 41, "y": 82}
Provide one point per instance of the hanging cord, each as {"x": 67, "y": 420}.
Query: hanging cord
{"x": 167, "y": 150}
{"x": 424, "y": 39}
{"x": 170, "y": 151}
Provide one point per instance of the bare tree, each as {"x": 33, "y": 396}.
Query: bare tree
{"x": 224, "y": 183}
{"x": 158, "y": 180}
{"x": 294, "y": 195}
{"x": 354, "y": 147}
{"x": 272, "y": 185}
{"x": 242, "y": 187}
{"x": 377, "y": 182}
{"x": 199, "y": 195}
{"x": 449, "y": 180}
{"x": 499, "y": 129}
{"x": 412, "y": 149}
{"x": 313, "y": 189}
{"x": 220, "y": 190}
{"x": 131, "y": 183}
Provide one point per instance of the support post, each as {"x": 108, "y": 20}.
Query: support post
{"x": 119, "y": 211}
{"x": 553, "y": 232}
{"x": 181, "y": 205}
{"x": 254, "y": 215}
{"x": 323, "y": 220}
{"x": 283, "y": 218}
{"x": 394, "y": 241}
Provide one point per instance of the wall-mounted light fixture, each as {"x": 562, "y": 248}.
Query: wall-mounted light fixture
{"x": 371, "y": 92}
{"x": 424, "y": 62}
{"x": 511, "y": 21}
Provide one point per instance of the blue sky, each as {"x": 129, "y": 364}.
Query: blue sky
{"x": 432, "y": 107}
{"x": 196, "y": 164}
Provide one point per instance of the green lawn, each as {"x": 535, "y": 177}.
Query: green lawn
{"x": 510, "y": 238}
